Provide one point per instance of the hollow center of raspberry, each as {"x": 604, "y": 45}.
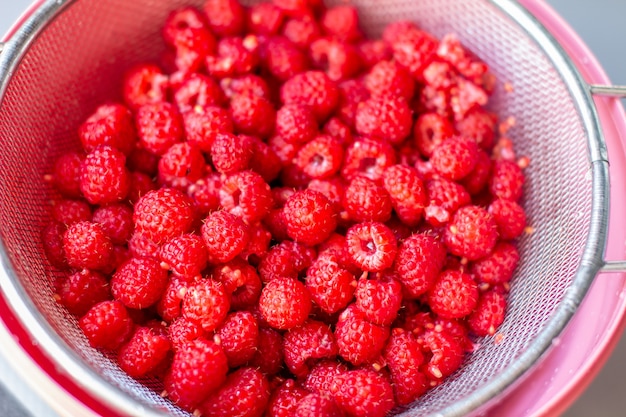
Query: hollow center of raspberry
{"x": 368, "y": 246}
{"x": 235, "y": 196}
{"x": 367, "y": 165}
{"x": 317, "y": 160}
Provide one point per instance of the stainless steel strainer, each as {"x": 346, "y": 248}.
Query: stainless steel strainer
{"x": 69, "y": 56}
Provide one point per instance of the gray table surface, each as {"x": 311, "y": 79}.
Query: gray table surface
{"x": 600, "y": 24}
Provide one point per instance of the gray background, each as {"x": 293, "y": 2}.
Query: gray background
{"x": 600, "y": 23}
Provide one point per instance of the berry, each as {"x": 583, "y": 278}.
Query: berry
{"x": 366, "y": 201}
{"x": 488, "y": 314}
{"x": 112, "y": 125}
{"x": 252, "y": 115}
{"x": 180, "y": 22}
{"x": 404, "y": 358}
{"x": 144, "y": 84}
{"x": 379, "y": 300}
{"x": 339, "y": 59}
{"x": 384, "y": 118}
{"x": 284, "y": 303}
{"x": 245, "y": 393}
{"x": 322, "y": 379}
{"x": 304, "y": 344}
{"x": 414, "y": 49}
{"x": 241, "y": 281}
{"x": 359, "y": 340}
{"x": 82, "y": 290}
{"x": 341, "y": 22}
{"x": 107, "y": 325}
{"x": 182, "y": 331}
{"x": 446, "y": 355}
{"x": 140, "y": 184}
{"x": 317, "y": 405}
{"x": 407, "y": 192}
{"x": 186, "y": 32}
{"x": 283, "y": 59}
{"x": 225, "y": 17}
{"x": 480, "y": 125}
{"x": 507, "y": 180}
{"x": 197, "y": 93}
{"x": 364, "y": 392}
{"x": 476, "y": 180}
{"x": 371, "y": 245}
{"x": 139, "y": 282}
{"x": 225, "y": 236}
{"x": 116, "y": 221}
{"x": 321, "y": 157}
{"x": 181, "y": 165}
{"x": 331, "y": 286}
{"x": 314, "y": 89}
{"x": 284, "y": 400}
{"x": 265, "y": 19}
{"x": 388, "y": 78}
{"x": 202, "y": 125}
{"x": 71, "y": 211}
{"x": 206, "y": 303}
{"x": 418, "y": 263}
{"x": 141, "y": 246}
{"x": 266, "y": 161}
{"x": 455, "y": 157}
{"x": 159, "y": 126}
{"x": 509, "y": 216}
{"x": 454, "y": 294}
{"x": 498, "y": 266}
{"x": 104, "y": 177}
{"x": 86, "y": 245}
{"x": 430, "y": 130}
{"x": 445, "y": 197}
{"x": 309, "y": 217}
{"x": 185, "y": 255}
{"x": 205, "y": 195}
{"x": 351, "y": 94}
{"x": 296, "y": 123}
{"x": 268, "y": 357}
{"x": 144, "y": 352}
{"x": 373, "y": 51}
{"x": 472, "y": 233}
{"x": 278, "y": 262}
{"x": 369, "y": 158}
{"x": 162, "y": 214}
{"x": 231, "y": 153}
{"x": 246, "y": 84}
{"x": 235, "y": 56}
{"x": 238, "y": 336}
{"x": 301, "y": 30}
{"x": 246, "y": 195}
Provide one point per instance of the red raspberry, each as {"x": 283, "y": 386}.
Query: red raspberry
{"x": 205, "y": 193}
{"x": 283, "y": 59}
{"x": 252, "y": 115}
{"x": 104, "y": 178}
{"x": 470, "y": 67}
{"x": 446, "y": 355}
{"x": 186, "y": 31}
{"x": 275, "y": 223}
{"x": 407, "y": 192}
{"x": 86, "y": 245}
{"x": 359, "y": 340}
{"x": 241, "y": 281}
{"x": 351, "y": 94}
{"x": 388, "y": 78}
{"x": 455, "y": 157}
{"x": 181, "y": 165}
{"x": 266, "y": 162}
{"x": 322, "y": 379}
{"x": 369, "y": 158}
{"x": 331, "y": 286}
{"x": 265, "y": 19}
{"x": 246, "y": 195}
{"x": 365, "y": 393}
{"x": 444, "y": 199}
{"x": 181, "y": 21}
{"x": 268, "y": 357}
{"x": 296, "y": 123}
{"x": 285, "y": 303}
{"x": 159, "y": 126}
{"x": 317, "y": 405}
{"x": 141, "y": 246}
{"x": 454, "y": 294}
{"x": 510, "y": 218}
{"x": 225, "y": 236}
{"x": 226, "y": 17}
{"x": 207, "y": 303}
{"x": 476, "y": 180}
{"x": 404, "y": 358}
{"x": 144, "y": 84}
{"x": 480, "y": 125}
{"x": 304, "y": 344}
{"x": 366, "y": 201}
{"x": 284, "y": 400}
{"x": 169, "y": 305}
{"x": 498, "y": 266}
{"x": 309, "y": 217}
{"x": 82, "y": 290}
{"x": 472, "y": 233}
{"x": 116, "y": 221}
{"x": 339, "y": 59}
{"x": 185, "y": 255}
{"x": 197, "y": 93}
{"x": 143, "y": 161}
{"x": 139, "y": 282}
{"x": 312, "y": 88}
{"x": 371, "y": 245}
{"x": 235, "y": 56}
{"x": 198, "y": 369}
{"x": 238, "y": 336}
{"x": 182, "y": 331}
{"x": 342, "y": 22}
{"x": 66, "y": 174}
{"x": 107, "y": 325}
{"x": 302, "y": 31}
{"x": 440, "y": 75}
{"x": 112, "y": 125}
{"x": 333, "y": 188}
{"x": 71, "y": 211}
{"x": 245, "y": 393}
{"x": 246, "y": 84}
{"x": 321, "y": 157}
{"x": 488, "y": 314}
{"x": 373, "y": 51}
{"x": 379, "y": 300}
{"x": 507, "y": 180}
{"x": 414, "y": 49}
{"x": 144, "y": 352}
{"x": 430, "y": 130}
{"x": 384, "y": 118}
{"x": 278, "y": 262}
{"x": 397, "y": 28}
{"x": 231, "y": 153}
{"x": 418, "y": 262}
{"x": 338, "y": 130}
{"x": 286, "y": 152}
{"x": 163, "y": 214}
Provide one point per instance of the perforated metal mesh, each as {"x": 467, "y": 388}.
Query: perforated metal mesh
{"x": 77, "y": 63}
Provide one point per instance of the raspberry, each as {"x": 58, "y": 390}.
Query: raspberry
{"x": 181, "y": 165}
{"x": 317, "y": 405}
{"x": 107, "y": 325}
{"x": 278, "y": 262}
{"x": 241, "y": 281}
{"x": 363, "y": 392}
{"x": 163, "y": 214}
{"x": 414, "y": 49}
{"x": 246, "y": 84}
{"x": 301, "y": 31}
{"x": 226, "y": 17}
{"x": 197, "y": 93}
{"x": 321, "y": 157}
{"x": 206, "y": 302}
{"x": 404, "y": 358}
{"x": 307, "y": 343}
{"x": 309, "y": 217}
{"x": 169, "y": 305}
{"x": 430, "y": 130}
{"x": 86, "y": 245}
{"x": 198, "y": 368}
{"x": 185, "y": 255}
{"x": 204, "y": 193}
{"x": 235, "y": 56}
{"x": 142, "y": 161}
{"x": 231, "y": 153}
{"x": 142, "y": 246}
{"x": 139, "y": 282}
{"x": 407, "y": 192}
{"x": 338, "y": 130}
{"x": 246, "y": 195}
{"x": 331, "y": 286}
{"x": 369, "y": 158}
{"x": 285, "y": 303}
{"x": 82, "y": 290}
{"x": 388, "y": 78}
{"x": 116, "y": 221}
{"x": 384, "y": 118}
{"x": 159, "y": 126}
{"x": 472, "y": 233}
{"x": 476, "y": 180}
{"x": 371, "y": 245}
{"x": 440, "y": 75}
{"x": 245, "y": 393}
{"x": 359, "y": 340}
{"x": 351, "y": 94}
{"x": 284, "y": 400}
{"x": 286, "y": 152}
{"x": 418, "y": 262}
{"x": 373, "y": 51}
{"x": 144, "y": 84}
{"x": 112, "y": 125}
{"x": 507, "y": 180}
{"x": 322, "y": 379}
{"x": 252, "y": 115}
{"x": 455, "y": 158}
{"x": 393, "y": 31}
{"x": 379, "y": 300}
{"x": 488, "y": 314}
{"x": 143, "y": 353}
{"x": 510, "y": 218}
{"x": 266, "y": 162}
{"x": 181, "y": 21}
{"x": 265, "y": 19}
{"x": 451, "y": 50}
{"x": 333, "y": 188}
{"x": 225, "y": 236}
{"x": 104, "y": 178}
{"x": 71, "y": 211}
{"x": 342, "y": 22}
{"x": 312, "y": 88}
{"x": 268, "y": 357}
{"x": 283, "y": 59}
{"x": 366, "y": 201}
{"x": 444, "y": 199}
{"x": 454, "y": 294}
{"x": 238, "y": 336}
{"x": 498, "y": 266}
{"x": 446, "y": 355}
{"x": 340, "y": 60}
{"x": 182, "y": 331}
{"x": 66, "y": 174}
{"x": 478, "y": 124}
{"x": 186, "y": 31}
{"x": 275, "y": 223}
{"x": 296, "y": 123}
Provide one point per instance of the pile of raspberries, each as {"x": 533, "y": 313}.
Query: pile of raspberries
{"x": 283, "y": 217}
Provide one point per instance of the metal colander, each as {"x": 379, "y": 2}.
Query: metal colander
{"x": 69, "y": 57}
